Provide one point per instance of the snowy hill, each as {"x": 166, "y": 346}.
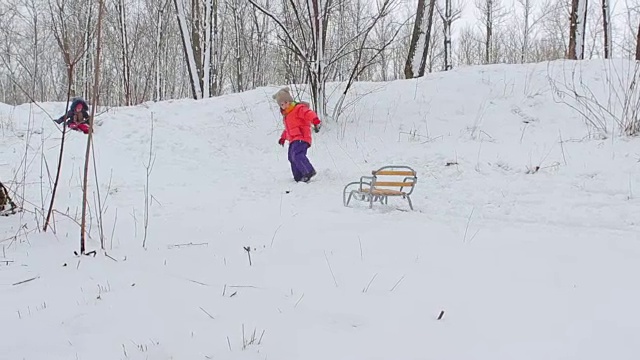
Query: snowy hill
{"x": 525, "y": 230}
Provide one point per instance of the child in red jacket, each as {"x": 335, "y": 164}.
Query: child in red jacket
{"x": 77, "y": 118}
{"x": 298, "y": 118}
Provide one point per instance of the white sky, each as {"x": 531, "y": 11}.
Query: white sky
{"x": 470, "y": 12}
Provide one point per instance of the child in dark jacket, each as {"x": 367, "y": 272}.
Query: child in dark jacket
{"x": 77, "y": 117}
{"x": 298, "y": 119}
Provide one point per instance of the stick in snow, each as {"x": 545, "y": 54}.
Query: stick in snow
{"x": 205, "y": 311}
{"x": 330, "y": 270}
{"x": 25, "y": 281}
{"x": 248, "y": 250}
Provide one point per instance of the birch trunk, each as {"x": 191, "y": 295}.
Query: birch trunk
{"x": 188, "y": 51}
{"x": 577, "y": 29}
{"x": 419, "y": 46}
{"x": 448, "y": 19}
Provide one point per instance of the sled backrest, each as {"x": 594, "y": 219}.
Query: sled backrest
{"x": 401, "y": 178}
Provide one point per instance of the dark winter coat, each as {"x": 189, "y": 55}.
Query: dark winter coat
{"x": 81, "y": 117}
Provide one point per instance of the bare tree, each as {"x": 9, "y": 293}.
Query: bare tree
{"x": 362, "y": 62}
{"x": 8, "y": 34}
{"x": 594, "y": 36}
{"x": 469, "y": 49}
{"x": 527, "y": 8}
{"x": 65, "y": 26}
{"x": 530, "y": 20}
{"x": 492, "y": 13}
{"x": 449, "y": 15}
{"x": 553, "y": 42}
{"x": 96, "y": 99}
{"x": 312, "y": 30}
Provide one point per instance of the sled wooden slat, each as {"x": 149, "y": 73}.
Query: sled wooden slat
{"x": 391, "y": 172}
{"x": 393, "y": 183}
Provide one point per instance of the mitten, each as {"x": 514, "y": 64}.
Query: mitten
{"x": 281, "y": 142}
{"x": 316, "y": 128}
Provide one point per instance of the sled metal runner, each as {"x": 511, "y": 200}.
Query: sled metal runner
{"x": 383, "y": 183}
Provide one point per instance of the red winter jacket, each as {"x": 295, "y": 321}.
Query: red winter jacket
{"x": 297, "y": 122}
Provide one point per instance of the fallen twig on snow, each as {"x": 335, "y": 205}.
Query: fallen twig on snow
{"x": 205, "y": 311}
{"x": 25, "y": 281}
{"x": 397, "y": 283}
{"x": 109, "y": 256}
{"x": 330, "y": 270}
{"x": 188, "y": 244}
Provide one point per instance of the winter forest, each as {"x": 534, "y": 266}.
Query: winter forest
{"x": 153, "y": 50}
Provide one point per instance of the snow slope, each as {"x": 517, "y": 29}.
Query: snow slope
{"x": 524, "y": 265}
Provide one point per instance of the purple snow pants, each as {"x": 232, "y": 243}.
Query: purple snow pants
{"x": 300, "y": 165}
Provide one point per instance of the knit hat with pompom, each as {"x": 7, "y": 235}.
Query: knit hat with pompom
{"x": 282, "y": 96}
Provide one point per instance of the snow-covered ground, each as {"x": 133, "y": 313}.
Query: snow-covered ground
{"x": 525, "y": 230}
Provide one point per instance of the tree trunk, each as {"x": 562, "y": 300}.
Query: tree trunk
{"x": 126, "y": 72}
{"x": 420, "y": 38}
{"x": 36, "y": 57}
{"x": 489, "y": 32}
{"x": 85, "y": 63}
{"x": 448, "y": 19}
{"x": 208, "y": 12}
{"x": 196, "y": 34}
{"x": 577, "y": 29}
{"x": 427, "y": 39}
{"x": 237, "y": 47}
{"x": 216, "y": 39}
{"x": 158, "y": 53}
{"x": 638, "y": 45}
{"x": 525, "y": 35}
{"x": 187, "y": 47}
{"x": 316, "y": 68}
{"x": 409, "y": 68}
{"x": 606, "y": 23}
